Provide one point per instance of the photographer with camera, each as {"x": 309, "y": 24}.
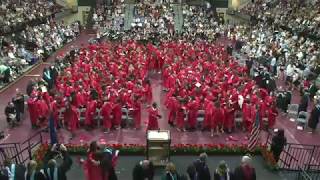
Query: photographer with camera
{"x": 52, "y": 170}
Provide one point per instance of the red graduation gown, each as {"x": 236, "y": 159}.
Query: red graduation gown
{"x": 148, "y": 93}
{"x": 172, "y": 106}
{"x": 33, "y": 111}
{"x": 90, "y": 112}
{"x": 272, "y": 115}
{"x": 247, "y": 115}
{"x": 137, "y": 114}
{"x": 117, "y": 114}
{"x": 193, "y": 107}
{"x": 208, "y": 114}
{"x": 73, "y": 118}
{"x": 106, "y": 111}
{"x": 217, "y": 118}
{"x": 229, "y": 119}
{"x": 153, "y": 119}
{"x": 43, "y": 108}
{"x": 55, "y": 111}
{"x": 180, "y": 117}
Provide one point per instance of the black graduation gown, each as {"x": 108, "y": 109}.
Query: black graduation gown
{"x": 38, "y": 176}
{"x": 303, "y": 103}
{"x": 314, "y": 117}
{"x": 277, "y": 146}
{"x": 62, "y": 169}
{"x": 141, "y": 174}
{"x": 239, "y": 173}
{"x": 287, "y": 100}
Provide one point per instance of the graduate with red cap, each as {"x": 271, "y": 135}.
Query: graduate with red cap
{"x": 90, "y": 113}
{"x": 229, "y": 119}
{"x": 193, "y": 107}
{"x": 43, "y": 110}
{"x": 153, "y": 117}
{"x": 106, "y": 111}
{"x": 117, "y": 114}
{"x": 33, "y": 111}
{"x": 217, "y": 120}
{"x": 180, "y": 123}
{"x": 247, "y": 115}
{"x": 272, "y": 115}
{"x": 172, "y": 106}
{"x": 137, "y": 112}
{"x": 71, "y": 117}
{"x": 208, "y": 111}
{"x": 148, "y": 91}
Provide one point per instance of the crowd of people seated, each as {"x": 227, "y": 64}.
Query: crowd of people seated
{"x": 200, "y": 21}
{"x": 109, "y": 17}
{"x": 152, "y": 18}
{"x": 283, "y": 41}
{"x": 15, "y": 14}
{"x": 24, "y": 49}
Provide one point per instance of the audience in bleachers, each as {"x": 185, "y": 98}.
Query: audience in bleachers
{"x": 24, "y": 49}
{"x": 16, "y": 13}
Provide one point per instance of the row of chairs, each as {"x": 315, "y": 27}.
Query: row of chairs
{"x": 127, "y": 117}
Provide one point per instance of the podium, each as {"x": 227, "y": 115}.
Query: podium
{"x": 158, "y": 147}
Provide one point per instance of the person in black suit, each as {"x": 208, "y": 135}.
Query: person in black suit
{"x": 304, "y": 101}
{"x": 245, "y": 171}
{"x": 59, "y": 172}
{"x": 199, "y": 169}
{"x": 144, "y": 170}
{"x": 32, "y": 172}
{"x": 10, "y": 112}
{"x": 278, "y": 143}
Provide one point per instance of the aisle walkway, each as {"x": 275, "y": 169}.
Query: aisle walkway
{"x": 128, "y": 16}
{"x": 178, "y": 17}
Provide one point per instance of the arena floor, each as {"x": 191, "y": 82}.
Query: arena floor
{"x": 130, "y": 136}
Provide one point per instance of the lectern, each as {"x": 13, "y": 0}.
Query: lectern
{"x": 158, "y": 147}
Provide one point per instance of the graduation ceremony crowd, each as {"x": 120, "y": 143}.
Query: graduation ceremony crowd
{"x": 204, "y": 87}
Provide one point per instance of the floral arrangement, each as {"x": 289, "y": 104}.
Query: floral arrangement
{"x": 40, "y": 154}
{"x": 176, "y": 149}
{"x": 267, "y": 155}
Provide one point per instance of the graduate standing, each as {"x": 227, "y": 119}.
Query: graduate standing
{"x": 153, "y": 117}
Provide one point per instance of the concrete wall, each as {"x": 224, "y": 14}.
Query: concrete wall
{"x": 69, "y": 17}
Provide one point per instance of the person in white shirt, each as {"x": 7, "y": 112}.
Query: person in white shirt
{"x": 289, "y": 74}
{"x": 273, "y": 65}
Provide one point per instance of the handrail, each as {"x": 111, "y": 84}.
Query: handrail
{"x": 299, "y": 157}
{"x": 20, "y": 152}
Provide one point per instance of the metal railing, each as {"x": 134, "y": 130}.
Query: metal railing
{"x": 20, "y": 153}
{"x": 302, "y": 158}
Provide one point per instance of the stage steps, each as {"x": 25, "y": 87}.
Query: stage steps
{"x": 178, "y": 18}
{"x": 128, "y": 16}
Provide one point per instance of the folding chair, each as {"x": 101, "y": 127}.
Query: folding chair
{"x": 98, "y": 117}
{"x": 82, "y": 114}
{"x": 293, "y": 110}
{"x": 302, "y": 119}
{"x": 238, "y": 119}
{"x": 200, "y": 117}
{"x": 124, "y": 116}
